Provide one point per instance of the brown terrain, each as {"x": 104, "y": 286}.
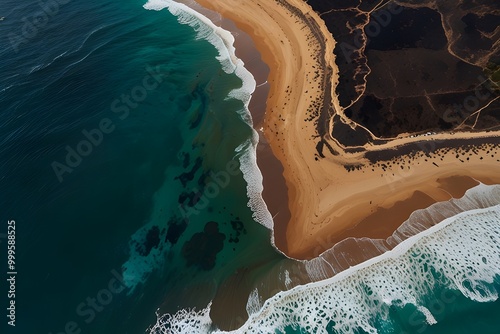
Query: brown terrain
{"x": 373, "y": 105}
{"x": 374, "y": 109}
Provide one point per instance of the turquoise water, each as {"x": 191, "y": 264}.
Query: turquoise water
{"x": 439, "y": 281}
{"x": 81, "y": 225}
{"x": 121, "y": 157}
{"x": 454, "y": 313}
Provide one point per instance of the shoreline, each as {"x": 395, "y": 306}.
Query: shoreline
{"x": 337, "y": 286}
{"x": 335, "y": 271}
{"x": 275, "y": 191}
{"x": 259, "y": 31}
{"x": 348, "y": 186}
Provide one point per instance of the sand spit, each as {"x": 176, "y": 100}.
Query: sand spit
{"x": 333, "y": 188}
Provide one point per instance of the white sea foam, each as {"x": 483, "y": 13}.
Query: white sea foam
{"x": 461, "y": 252}
{"x": 254, "y": 303}
{"x": 288, "y": 280}
{"x": 337, "y": 259}
{"x": 254, "y": 180}
{"x": 223, "y": 41}
{"x": 184, "y": 321}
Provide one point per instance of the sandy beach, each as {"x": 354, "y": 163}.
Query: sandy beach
{"x": 342, "y": 193}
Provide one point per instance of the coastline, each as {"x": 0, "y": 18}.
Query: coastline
{"x": 391, "y": 269}
{"x": 275, "y": 191}
{"x": 395, "y": 278}
{"x": 286, "y": 66}
{"x": 327, "y": 198}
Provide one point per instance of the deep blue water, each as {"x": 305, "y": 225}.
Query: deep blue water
{"x": 87, "y": 73}
{"x": 114, "y": 122}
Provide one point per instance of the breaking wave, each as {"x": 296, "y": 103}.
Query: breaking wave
{"x": 223, "y": 41}
{"x": 457, "y": 246}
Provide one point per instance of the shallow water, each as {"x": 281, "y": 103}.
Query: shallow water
{"x": 113, "y": 208}
{"x": 122, "y": 148}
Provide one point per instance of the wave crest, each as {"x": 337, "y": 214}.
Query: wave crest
{"x": 223, "y": 41}
{"x": 457, "y": 246}
{"x": 461, "y": 253}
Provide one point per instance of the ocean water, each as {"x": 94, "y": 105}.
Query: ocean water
{"x": 121, "y": 138}
{"x": 128, "y": 165}
{"x": 429, "y": 279}
{"x": 445, "y": 279}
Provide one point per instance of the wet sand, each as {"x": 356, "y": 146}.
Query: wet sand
{"x": 382, "y": 222}
{"x": 275, "y": 192}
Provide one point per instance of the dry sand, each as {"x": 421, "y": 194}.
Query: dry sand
{"x": 327, "y": 201}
